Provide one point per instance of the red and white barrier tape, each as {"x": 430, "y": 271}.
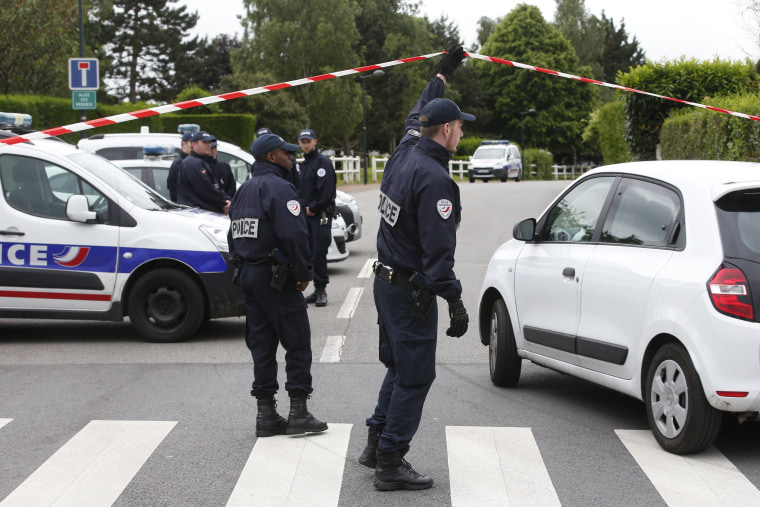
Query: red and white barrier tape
{"x": 189, "y": 104}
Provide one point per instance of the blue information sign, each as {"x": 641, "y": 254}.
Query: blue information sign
{"x": 84, "y": 74}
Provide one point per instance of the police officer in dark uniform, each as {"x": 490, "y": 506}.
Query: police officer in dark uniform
{"x": 222, "y": 172}
{"x": 268, "y": 233}
{"x": 197, "y": 185}
{"x": 171, "y": 180}
{"x": 294, "y": 176}
{"x": 420, "y": 211}
{"x": 317, "y": 193}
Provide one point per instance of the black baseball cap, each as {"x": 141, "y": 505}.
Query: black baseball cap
{"x": 268, "y": 142}
{"x": 307, "y": 134}
{"x": 263, "y": 130}
{"x": 202, "y": 136}
{"x": 440, "y": 111}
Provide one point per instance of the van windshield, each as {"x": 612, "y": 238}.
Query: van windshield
{"x": 134, "y": 190}
{"x": 490, "y": 152}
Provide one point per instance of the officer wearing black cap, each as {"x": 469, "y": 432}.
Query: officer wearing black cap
{"x": 317, "y": 192}
{"x": 171, "y": 180}
{"x": 420, "y": 211}
{"x": 268, "y": 232}
{"x": 197, "y": 185}
{"x": 294, "y": 176}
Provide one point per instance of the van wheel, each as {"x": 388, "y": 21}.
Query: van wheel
{"x": 681, "y": 419}
{"x": 503, "y": 361}
{"x": 519, "y": 175}
{"x": 472, "y": 180}
{"x": 166, "y": 305}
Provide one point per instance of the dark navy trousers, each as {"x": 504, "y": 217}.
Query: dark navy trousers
{"x": 320, "y": 239}
{"x": 407, "y": 349}
{"x": 274, "y": 317}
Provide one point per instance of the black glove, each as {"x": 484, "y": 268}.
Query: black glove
{"x": 450, "y": 61}
{"x": 459, "y": 319}
{"x": 237, "y": 263}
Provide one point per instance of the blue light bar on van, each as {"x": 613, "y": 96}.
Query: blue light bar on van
{"x": 188, "y": 127}
{"x": 16, "y": 119}
{"x": 154, "y": 151}
{"x": 502, "y": 141}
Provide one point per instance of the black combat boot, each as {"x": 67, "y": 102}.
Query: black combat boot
{"x": 268, "y": 421}
{"x": 369, "y": 455}
{"x": 300, "y": 420}
{"x": 393, "y": 472}
{"x": 321, "y": 297}
{"x": 312, "y": 298}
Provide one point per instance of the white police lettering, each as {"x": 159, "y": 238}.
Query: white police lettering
{"x": 444, "y": 208}
{"x": 294, "y": 207}
{"x": 389, "y": 210}
{"x": 245, "y": 228}
{"x": 321, "y": 172}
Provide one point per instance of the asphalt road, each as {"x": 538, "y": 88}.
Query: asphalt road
{"x": 90, "y": 414}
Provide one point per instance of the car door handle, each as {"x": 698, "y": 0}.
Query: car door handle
{"x": 12, "y": 233}
{"x": 568, "y": 272}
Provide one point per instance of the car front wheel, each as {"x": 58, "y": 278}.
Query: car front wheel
{"x": 166, "y": 305}
{"x": 682, "y": 420}
{"x": 504, "y": 363}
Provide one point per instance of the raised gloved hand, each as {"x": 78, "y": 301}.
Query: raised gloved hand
{"x": 450, "y": 61}
{"x": 459, "y": 319}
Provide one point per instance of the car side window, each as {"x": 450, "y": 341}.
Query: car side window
{"x": 42, "y": 189}
{"x": 642, "y": 213}
{"x": 240, "y": 168}
{"x": 574, "y": 218}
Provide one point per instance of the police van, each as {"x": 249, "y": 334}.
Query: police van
{"x": 82, "y": 239}
{"x": 495, "y": 160}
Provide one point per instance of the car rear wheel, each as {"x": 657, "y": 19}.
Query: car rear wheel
{"x": 472, "y": 180}
{"x": 166, "y": 305}
{"x": 519, "y": 175}
{"x": 504, "y": 363}
{"x": 681, "y": 419}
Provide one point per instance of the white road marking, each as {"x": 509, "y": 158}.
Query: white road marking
{"x": 497, "y": 466}
{"x": 3, "y": 422}
{"x": 707, "y": 478}
{"x": 294, "y": 470}
{"x": 94, "y": 467}
{"x": 366, "y": 271}
{"x": 351, "y": 302}
{"x": 333, "y": 349}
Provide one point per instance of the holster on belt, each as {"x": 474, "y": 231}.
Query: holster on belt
{"x": 422, "y": 298}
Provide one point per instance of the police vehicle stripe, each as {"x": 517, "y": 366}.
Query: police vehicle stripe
{"x": 94, "y": 467}
{"x": 283, "y": 470}
{"x": 707, "y": 478}
{"x": 497, "y": 466}
{"x": 54, "y": 295}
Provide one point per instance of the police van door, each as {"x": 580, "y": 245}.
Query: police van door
{"x": 48, "y": 261}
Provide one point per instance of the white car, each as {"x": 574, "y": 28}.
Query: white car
{"x": 82, "y": 239}
{"x": 154, "y": 172}
{"x": 641, "y": 278}
{"x": 495, "y": 160}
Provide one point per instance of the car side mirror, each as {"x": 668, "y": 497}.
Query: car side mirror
{"x": 525, "y": 230}
{"x": 78, "y": 210}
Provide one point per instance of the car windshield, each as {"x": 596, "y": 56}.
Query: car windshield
{"x": 134, "y": 190}
{"x": 487, "y": 153}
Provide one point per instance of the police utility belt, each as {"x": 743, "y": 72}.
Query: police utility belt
{"x": 423, "y": 298}
{"x": 281, "y": 267}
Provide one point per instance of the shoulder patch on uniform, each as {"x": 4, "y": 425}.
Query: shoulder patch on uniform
{"x": 294, "y": 207}
{"x": 321, "y": 172}
{"x": 414, "y": 133}
{"x": 444, "y": 208}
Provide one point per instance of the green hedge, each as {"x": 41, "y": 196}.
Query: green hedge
{"x": 709, "y": 135}
{"x": 538, "y": 161}
{"x": 49, "y": 112}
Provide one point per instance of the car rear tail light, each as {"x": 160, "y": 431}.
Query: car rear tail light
{"x": 729, "y": 292}
{"x": 732, "y": 394}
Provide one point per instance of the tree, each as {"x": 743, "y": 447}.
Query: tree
{"x": 294, "y": 39}
{"x": 606, "y": 131}
{"x": 37, "y": 37}
{"x": 563, "y": 106}
{"x": 142, "y": 39}
{"x": 206, "y": 65}
{"x": 584, "y": 31}
{"x": 620, "y": 54}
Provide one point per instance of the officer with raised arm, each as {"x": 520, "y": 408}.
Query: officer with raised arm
{"x": 268, "y": 236}
{"x": 420, "y": 210}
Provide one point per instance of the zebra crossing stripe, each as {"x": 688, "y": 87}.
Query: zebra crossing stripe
{"x": 294, "y": 470}
{"x": 333, "y": 349}
{"x": 497, "y": 466}
{"x": 366, "y": 270}
{"x": 3, "y": 422}
{"x": 94, "y": 467}
{"x": 351, "y": 302}
{"x": 707, "y": 478}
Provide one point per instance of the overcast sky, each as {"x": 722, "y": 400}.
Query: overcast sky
{"x": 665, "y": 29}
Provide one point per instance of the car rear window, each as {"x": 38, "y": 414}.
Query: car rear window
{"x": 739, "y": 222}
